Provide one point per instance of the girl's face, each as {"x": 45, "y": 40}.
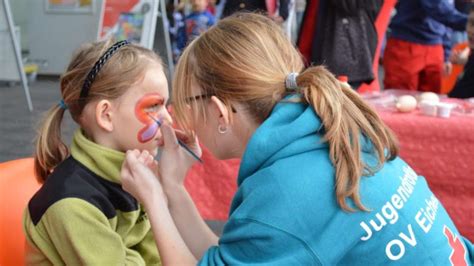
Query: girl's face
{"x": 134, "y": 125}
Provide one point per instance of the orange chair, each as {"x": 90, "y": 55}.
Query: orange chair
{"x": 448, "y": 82}
{"x": 17, "y": 186}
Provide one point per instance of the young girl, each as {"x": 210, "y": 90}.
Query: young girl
{"x": 81, "y": 215}
{"x": 320, "y": 182}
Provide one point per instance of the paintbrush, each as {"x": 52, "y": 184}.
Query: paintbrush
{"x": 158, "y": 122}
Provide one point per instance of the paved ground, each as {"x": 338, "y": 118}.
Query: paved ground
{"x": 18, "y": 124}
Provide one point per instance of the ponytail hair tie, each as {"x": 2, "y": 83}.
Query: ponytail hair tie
{"x": 63, "y": 105}
{"x": 290, "y": 82}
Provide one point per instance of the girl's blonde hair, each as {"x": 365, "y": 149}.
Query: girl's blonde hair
{"x": 124, "y": 68}
{"x": 246, "y": 58}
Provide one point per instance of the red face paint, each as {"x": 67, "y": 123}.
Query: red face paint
{"x": 148, "y": 106}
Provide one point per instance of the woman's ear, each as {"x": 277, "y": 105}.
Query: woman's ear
{"x": 221, "y": 110}
{"x": 104, "y": 115}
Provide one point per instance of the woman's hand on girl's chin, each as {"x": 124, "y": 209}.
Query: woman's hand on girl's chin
{"x": 175, "y": 161}
{"x": 139, "y": 179}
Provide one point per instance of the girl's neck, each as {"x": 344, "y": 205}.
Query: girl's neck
{"x": 100, "y": 139}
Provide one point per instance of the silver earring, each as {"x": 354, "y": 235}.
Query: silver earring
{"x": 222, "y": 129}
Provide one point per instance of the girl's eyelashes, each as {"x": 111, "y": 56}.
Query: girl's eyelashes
{"x": 153, "y": 108}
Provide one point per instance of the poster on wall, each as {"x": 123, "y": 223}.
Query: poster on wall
{"x": 132, "y": 20}
{"x": 69, "y": 6}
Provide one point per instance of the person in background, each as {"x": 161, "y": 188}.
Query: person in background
{"x": 280, "y": 8}
{"x": 448, "y": 44}
{"x": 196, "y": 23}
{"x": 464, "y": 7}
{"x": 176, "y": 28}
{"x": 464, "y": 87}
{"x": 300, "y": 6}
{"x": 413, "y": 57}
{"x": 345, "y": 39}
{"x": 452, "y": 37}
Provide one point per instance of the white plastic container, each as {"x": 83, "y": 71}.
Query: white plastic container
{"x": 444, "y": 109}
{"x": 428, "y": 108}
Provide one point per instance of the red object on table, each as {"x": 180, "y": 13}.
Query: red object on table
{"x": 442, "y": 150}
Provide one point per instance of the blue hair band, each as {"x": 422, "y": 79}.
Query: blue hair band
{"x": 63, "y": 105}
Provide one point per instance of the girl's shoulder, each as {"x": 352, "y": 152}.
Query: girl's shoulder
{"x": 72, "y": 180}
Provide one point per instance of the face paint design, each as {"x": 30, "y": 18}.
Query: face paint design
{"x": 147, "y": 106}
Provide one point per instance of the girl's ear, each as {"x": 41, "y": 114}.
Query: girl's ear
{"x": 104, "y": 115}
{"x": 221, "y": 110}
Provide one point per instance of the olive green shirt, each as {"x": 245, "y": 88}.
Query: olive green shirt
{"x": 82, "y": 216}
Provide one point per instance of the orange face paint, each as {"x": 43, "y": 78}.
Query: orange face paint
{"x": 148, "y": 106}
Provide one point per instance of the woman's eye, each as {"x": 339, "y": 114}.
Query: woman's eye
{"x": 153, "y": 109}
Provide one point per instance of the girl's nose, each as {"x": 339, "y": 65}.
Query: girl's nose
{"x": 167, "y": 118}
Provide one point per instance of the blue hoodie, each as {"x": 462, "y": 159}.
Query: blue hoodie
{"x": 285, "y": 211}
{"x": 425, "y": 21}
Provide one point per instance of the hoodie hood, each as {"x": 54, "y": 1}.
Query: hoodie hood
{"x": 292, "y": 128}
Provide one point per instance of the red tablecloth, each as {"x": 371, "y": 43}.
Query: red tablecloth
{"x": 212, "y": 185}
{"x": 440, "y": 149}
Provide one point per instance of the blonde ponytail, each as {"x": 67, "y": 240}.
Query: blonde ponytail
{"x": 50, "y": 149}
{"x": 346, "y": 118}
